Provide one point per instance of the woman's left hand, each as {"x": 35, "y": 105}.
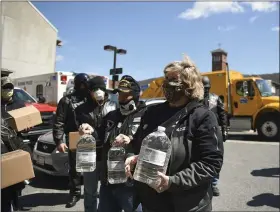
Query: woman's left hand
{"x": 164, "y": 183}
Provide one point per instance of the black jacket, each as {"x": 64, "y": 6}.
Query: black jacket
{"x": 110, "y": 129}
{"x": 11, "y": 105}
{"x": 65, "y": 118}
{"x": 11, "y": 142}
{"x": 91, "y": 113}
{"x": 197, "y": 157}
{"x": 215, "y": 104}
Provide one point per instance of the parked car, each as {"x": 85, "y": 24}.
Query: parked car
{"x": 47, "y": 159}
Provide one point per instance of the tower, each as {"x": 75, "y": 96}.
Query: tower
{"x": 219, "y": 60}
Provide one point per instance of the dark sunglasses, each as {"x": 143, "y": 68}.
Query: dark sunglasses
{"x": 8, "y": 86}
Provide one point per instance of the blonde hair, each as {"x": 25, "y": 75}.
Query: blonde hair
{"x": 190, "y": 77}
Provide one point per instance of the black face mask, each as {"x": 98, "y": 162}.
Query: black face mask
{"x": 173, "y": 93}
{"x": 82, "y": 92}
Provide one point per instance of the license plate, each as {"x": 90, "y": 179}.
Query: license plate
{"x": 41, "y": 160}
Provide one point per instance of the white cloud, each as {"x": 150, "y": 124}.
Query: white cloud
{"x": 226, "y": 28}
{"x": 262, "y": 6}
{"x": 276, "y": 29}
{"x": 252, "y": 19}
{"x": 59, "y": 58}
{"x": 206, "y": 9}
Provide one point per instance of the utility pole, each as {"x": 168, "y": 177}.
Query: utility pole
{"x": 115, "y": 71}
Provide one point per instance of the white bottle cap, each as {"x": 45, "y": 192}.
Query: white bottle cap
{"x": 161, "y": 129}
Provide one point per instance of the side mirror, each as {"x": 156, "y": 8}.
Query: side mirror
{"x": 42, "y": 99}
{"x": 245, "y": 89}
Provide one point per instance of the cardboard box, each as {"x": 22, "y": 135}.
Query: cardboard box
{"x": 73, "y": 140}
{"x": 16, "y": 166}
{"x": 25, "y": 117}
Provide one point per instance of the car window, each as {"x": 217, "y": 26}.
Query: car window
{"x": 239, "y": 88}
{"x": 21, "y": 95}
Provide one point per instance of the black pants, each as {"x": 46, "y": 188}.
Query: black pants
{"x": 75, "y": 180}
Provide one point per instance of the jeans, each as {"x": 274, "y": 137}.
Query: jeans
{"x": 90, "y": 189}
{"x": 115, "y": 198}
{"x": 215, "y": 180}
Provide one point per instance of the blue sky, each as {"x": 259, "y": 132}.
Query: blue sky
{"x": 156, "y": 33}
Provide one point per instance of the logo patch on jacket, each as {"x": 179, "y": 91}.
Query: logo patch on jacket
{"x": 134, "y": 128}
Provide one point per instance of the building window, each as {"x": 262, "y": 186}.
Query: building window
{"x": 39, "y": 91}
{"x": 217, "y": 58}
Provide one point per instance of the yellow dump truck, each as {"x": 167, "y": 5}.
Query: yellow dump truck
{"x": 248, "y": 101}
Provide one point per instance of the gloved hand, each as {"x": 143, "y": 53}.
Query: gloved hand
{"x": 225, "y": 135}
{"x": 85, "y": 129}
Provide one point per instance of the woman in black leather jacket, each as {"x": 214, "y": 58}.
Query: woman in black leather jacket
{"x": 197, "y": 146}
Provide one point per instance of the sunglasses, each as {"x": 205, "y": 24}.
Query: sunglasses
{"x": 8, "y": 86}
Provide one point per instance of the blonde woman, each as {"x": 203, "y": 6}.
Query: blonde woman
{"x": 197, "y": 147}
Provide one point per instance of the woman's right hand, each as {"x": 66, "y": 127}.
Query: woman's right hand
{"x": 85, "y": 129}
{"x": 129, "y": 165}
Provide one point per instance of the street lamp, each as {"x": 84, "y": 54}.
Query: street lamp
{"x": 115, "y": 71}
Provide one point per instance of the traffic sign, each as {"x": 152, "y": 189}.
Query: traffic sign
{"x": 116, "y": 71}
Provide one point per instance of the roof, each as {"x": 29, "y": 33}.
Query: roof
{"x": 42, "y": 16}
{"x": 219, "y": 50}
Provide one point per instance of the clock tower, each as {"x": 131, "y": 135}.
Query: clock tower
{"x": 219, "y": 60}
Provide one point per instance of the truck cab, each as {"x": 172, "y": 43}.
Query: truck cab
{"x": 47, "y": 114}
{"x": 250, "y": 105}
{"x": 255, "y": 106}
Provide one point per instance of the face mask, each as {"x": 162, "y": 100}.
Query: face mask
{"x": 99, "y": 95}
{"x": 127, "y": 108}
{"x": 172, "y": 93}
{"x": 7, "y": 93}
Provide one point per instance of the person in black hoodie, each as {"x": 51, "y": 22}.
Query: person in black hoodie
{"x": 197, "y": 150}
{"x": 118, "y": 129}
{"x": 92, "y": 113}
{"x": 66, "y": 122}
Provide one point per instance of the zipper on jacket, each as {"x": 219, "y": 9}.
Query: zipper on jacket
{"x": 215, "y": 135}
{"x": 172, "y": 144}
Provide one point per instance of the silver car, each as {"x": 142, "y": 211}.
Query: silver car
{"x": 46, "y": 157}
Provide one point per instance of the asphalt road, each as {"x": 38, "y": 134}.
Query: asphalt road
{"x": 249, "y": 180}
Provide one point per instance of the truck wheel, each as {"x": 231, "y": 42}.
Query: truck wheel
{"x": 269, "y": 128}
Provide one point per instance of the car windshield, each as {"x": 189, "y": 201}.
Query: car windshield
{"x": 264, "y": 87}
{"x": 21, "y": 95}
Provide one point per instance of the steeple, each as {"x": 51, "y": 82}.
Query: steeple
{"x": 219, "y": 59}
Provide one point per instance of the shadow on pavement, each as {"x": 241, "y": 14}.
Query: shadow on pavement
{"x": 269, "y": 172}
{"x": 266, "y": 199}
{"x": 43, "y": 199}
{"x": 44, "y": 181}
